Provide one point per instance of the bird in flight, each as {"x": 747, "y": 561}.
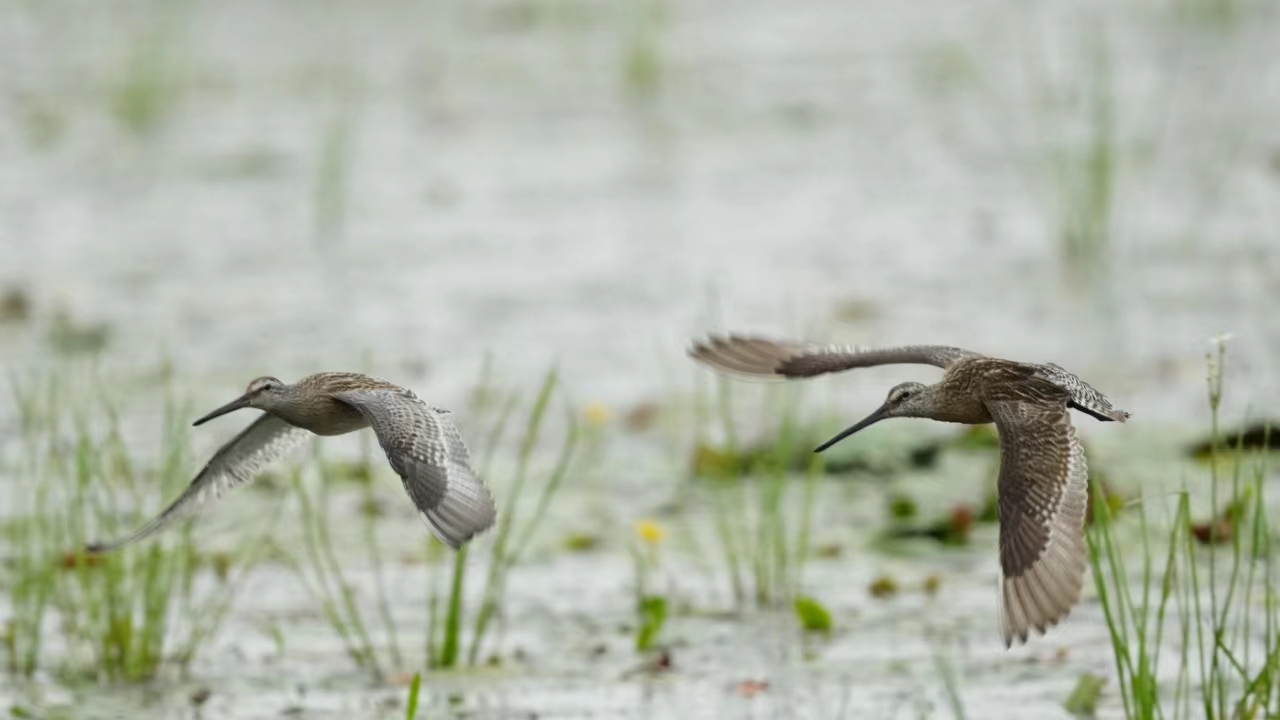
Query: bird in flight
{"x": 1043, "y": 481}
{"x": 421, "y": 443}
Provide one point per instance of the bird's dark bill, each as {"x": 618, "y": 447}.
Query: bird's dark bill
{"x": 868, "y": 421}
{"x": 240, "y": 402}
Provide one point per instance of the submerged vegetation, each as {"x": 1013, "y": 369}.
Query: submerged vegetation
{"x": 762, "y": 511}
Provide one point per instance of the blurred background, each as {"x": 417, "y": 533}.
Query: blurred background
{"x": 418, "y": 190}
{"x": 283, "y": 187}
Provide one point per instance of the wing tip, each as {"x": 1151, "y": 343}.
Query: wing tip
{"x": 1027, "y": 609}
{"x": 455, "y": 522}
{"x": 747, "y": 357}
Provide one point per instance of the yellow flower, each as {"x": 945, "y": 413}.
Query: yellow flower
{"x": 650, "y": 531}
{"x": 597, "y": 414}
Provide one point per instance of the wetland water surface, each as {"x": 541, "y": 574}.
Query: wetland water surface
{"x": 246, "y": 188}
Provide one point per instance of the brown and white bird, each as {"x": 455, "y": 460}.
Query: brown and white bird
{"x": 1043, "y": 482}
{"x": 421, "y": 442}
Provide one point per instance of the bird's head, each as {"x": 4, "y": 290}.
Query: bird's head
{"x": 260, "y": 394}
{"x": 908, "y": 399}
{"x": 905, "y": 400}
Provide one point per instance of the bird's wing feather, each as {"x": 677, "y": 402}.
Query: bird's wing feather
{"x": 1083, "y": 395}
{"x": 236, "y": 463}
{"x": 1043, "y": 496}
{"x": 426, "y": 449}
{"x": 769, "y": 359}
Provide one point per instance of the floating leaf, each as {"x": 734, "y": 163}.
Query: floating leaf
{"x": 883, "y": 586}
{"x": 580, "y": 542}
{"x": 812, "y": 615}
{"x": 902, "y": 507}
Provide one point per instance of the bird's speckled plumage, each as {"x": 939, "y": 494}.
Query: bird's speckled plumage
{"x": 421, "y": 442}
{"x": 1043, "y": 478}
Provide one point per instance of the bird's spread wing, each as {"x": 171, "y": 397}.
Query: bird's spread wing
{"x": 762, "y": 358}
{"x": 237, "y": 463}
{"x": 1043, "y": 489}
{"x": 426, "y": 449}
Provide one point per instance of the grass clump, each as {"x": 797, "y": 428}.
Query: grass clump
{"x": 762, "y": 506}
{"x": 1198, "y": 634}
{"x": 119, "y": 616}
{"x": 511, "y": 541}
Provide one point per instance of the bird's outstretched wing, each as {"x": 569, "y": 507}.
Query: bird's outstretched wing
{"x": 1043, "y": 489}
{"x": 762, "y": 358}
{"x": 237, "y": 463}
{"x": 426, "y": 449}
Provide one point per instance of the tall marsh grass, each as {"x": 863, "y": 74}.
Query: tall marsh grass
{"x": 119, "y": 616}
{"x": 762, "y": 506}
{"x": 1196, "y": 632}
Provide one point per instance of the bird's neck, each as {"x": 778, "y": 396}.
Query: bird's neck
{"x": 938, "y": 402}
{"x": 317, "y": 412}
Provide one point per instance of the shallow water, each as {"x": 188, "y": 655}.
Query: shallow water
{"x": 403, "y": 189}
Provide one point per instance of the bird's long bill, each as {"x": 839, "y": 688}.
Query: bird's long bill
{"x": 240, "y": 402}
{"x": 868, "y": 421}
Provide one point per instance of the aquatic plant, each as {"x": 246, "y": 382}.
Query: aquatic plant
{"x": 1214, "y": 620}
{"x": 120, "y": 616}
{"x": 504, "y": 555}
{"x": 325, "y": 579}
{"x": 762, "y": 518}
{"x": 651, "y": 605}
{"x": 411, "y": 707}
{"x": 813, "y": 616}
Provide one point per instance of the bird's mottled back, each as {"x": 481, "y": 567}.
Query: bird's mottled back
{"x": 335, "y": 382}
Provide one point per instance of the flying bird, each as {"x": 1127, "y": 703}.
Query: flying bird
{"x": 421, "y": 443}
{"x": 1043, "y": 481}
